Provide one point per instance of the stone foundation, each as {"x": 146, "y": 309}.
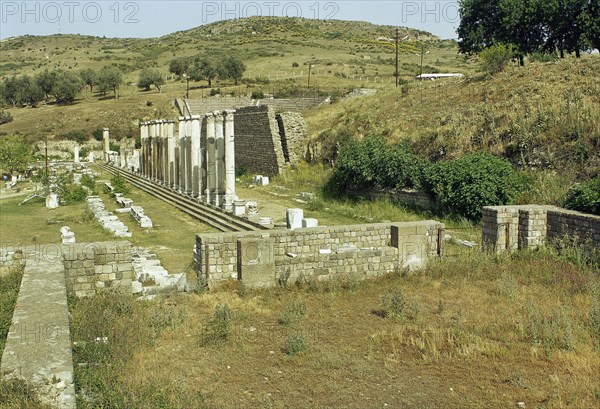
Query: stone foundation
{"x": 261, "y": 259}
{"x": 530, "y": 226}
{"x": 92, "y": 267}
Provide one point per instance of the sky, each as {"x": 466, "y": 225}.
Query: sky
{"x": 155, "y": 18}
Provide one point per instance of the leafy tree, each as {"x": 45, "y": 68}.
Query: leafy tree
{"x": 233, "y": 68}
{"x": 45, "y": 80}
{"x": 67, "y": 85}
{"x": 28, "y": 91}
{"x": 591, "y": 19}
{"x": 180, "y": 66}
{"x": 89, "y": 77}
{"x": 149, "y": 77}
{"x": 8, "y": 90}
{"x": 110, "y": 79}
{"x": 207, "y": 70}
{"x": 478, "y": 27}
{"x": 15, "y": 153}
{"x": 566, "y": 25}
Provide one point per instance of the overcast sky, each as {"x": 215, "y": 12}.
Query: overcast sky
{"x": 154, "y": 18}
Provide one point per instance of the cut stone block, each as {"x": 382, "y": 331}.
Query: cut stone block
{"x": 310, "y": 223}
{"x": 294, "y": 218}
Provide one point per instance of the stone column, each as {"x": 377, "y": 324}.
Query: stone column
{"x": 151, "y": 138}
{"x": 171, "y": 153}
{"x": 210, "y": 159}
{"x": 182, "y": 154}
{"x": 230, "y": 195}
{"x": 106, "y": 140}
{"x": 188, "y": 156}
{"x": 142, "y": 149}
{"x": 76, "y": 153}
{"x": 123, "y": 155}
{"x": 162, "y": 151}
{"x": 219, "y": 159}
{"x": 196, "y": 160}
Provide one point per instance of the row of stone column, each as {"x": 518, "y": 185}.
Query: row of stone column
{"x": 198, "y": 162}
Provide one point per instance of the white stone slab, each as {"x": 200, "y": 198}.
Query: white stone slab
{"x": 310, "y": 223}
{"x": 294, "y": 218}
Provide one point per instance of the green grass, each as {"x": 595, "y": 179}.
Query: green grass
{"x": 10, "y": 282}
{"x": 495, "y": 330}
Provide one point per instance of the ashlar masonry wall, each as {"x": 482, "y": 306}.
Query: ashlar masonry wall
{"x": 91, "y": 267}
{"x": 265, "y": 142}
{"x": 260, "y": 259}
{"x": 529, "y": 226}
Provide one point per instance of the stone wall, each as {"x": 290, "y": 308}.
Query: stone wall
{"x": 257, "y": 141}
{"x": 95, "y": 266}
{"x": 530, "y": 226}
{"x": 260, "y": 259}
{"x": 294, "y": 131}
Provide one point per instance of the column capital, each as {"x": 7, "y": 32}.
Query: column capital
{"x": 195, "y": 117}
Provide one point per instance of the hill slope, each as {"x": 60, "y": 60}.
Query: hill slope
{"x": 543, "y": 115}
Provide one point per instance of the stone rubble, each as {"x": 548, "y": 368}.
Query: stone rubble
{"x": 150, "y": 277}
{"x": 66, "y": 235}
{"x": 108, "y": 220}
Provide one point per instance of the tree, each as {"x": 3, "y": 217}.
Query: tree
{"x": 522, "y": 25}
{"x": 180, "y": 66}
{"x": 67, "y": 85}
{"x": 110, "y": 79}
{"x": 45, "y": 81}
{"x": 566, "y": 26}
{"x": 15, "y": 153}
{"x": 233, "y": 68}
{"x": 478, "y": 25}
{"x": 495, "y": 58}
{"x": 89, "y": 77}
{"x": 8, "y": 90}
{"x": 28, "y": 91}
{"x": 592, "y": 23}
{"x": 150, "y": 77}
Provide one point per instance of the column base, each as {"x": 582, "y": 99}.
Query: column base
{"x": 228, "y": 202}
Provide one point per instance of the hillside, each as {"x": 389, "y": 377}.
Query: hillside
{"x": 544, "y": 115}
{"x": 276, "y": 51}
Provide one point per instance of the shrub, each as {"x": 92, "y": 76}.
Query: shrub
{"x": 89, "y": 182}
{"x": 372, "y": 162}
{"x": 292, "y": 312}
{"x": 257, "y": 94}
{"x": 585, "y": 197}
{"x": 295, "y": 344}
{"x": 219, "y": 327}
{"x": 393, "y": 303}
{"x": 118, "y": 183}
{"x": 467, "y": 184}
{"x": 495, "y": 58}
{"x": 215, "y": 91}
{"x": 98, "y": 134}
{"x": 5, "y": 117}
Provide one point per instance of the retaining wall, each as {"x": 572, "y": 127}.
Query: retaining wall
{"x": 95, "y": 266}
{"x": 260, "y": 259}
{"x": 514, "y": 228}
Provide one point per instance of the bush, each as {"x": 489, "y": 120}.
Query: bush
{"x": 467, "y": 184}
{"x": 585, "y": 197}
{"x": 215, "y": 91}
{"x": 98, "y": 134}
{"x": 295, "y": 344}
{"x": 77, "y": 136}
{"x": 5, "y": 117}
{"x": 372, "y": 162}
{"x": 495, "y": 58}
{"x": 119, "y": 185}
{"x": 393, "y": 303}
{"x": 219, "y": 327}
{"x": 89, "y": 182}
{"x": 257, "y": 94}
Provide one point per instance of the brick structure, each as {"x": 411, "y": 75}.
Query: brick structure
{"x": 530, "y": 226}
{"x": 260, "y": 259}
{"x": 92, "y": 267}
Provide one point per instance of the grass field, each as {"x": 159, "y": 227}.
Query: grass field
{"x": 470, "y": 333}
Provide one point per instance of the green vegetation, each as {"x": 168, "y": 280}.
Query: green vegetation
{"x": 15, "y": 154}
{"x": 149, "y": 78}
{"x": 10, "y": 281}
{"x": 525, "y": 326}
{"x": 585, "y": 197}
{"x": 467, "y": 184}
{"x": 531, "y": 26}
{"x": 495, "y": 58}
{"x": 119, "y": 184}
{"x": 16, "y": 393}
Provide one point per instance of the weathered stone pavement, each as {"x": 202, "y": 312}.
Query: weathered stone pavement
{"x": 38, "y": 347}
